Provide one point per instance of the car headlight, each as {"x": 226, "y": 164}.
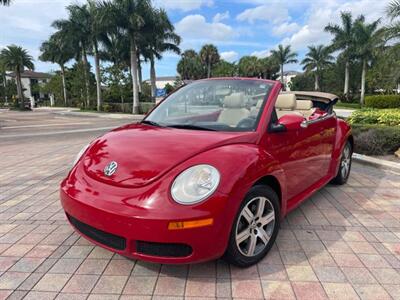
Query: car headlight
{"x": 80, "y": 153}
{"x": 195, "y": 184}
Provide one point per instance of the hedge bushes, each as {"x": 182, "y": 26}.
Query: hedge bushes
{"x": 383, "y": 101}
{"x": 376, "y": 139}
{"x": 144, "y": 107}
{"x": 390, "y": 117}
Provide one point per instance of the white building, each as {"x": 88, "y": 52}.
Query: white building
{"x": 29, "y": 79}
{"x": 287, "y": 78}
{"x": 162, "y": 81}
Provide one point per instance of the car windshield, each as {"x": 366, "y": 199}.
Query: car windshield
{"x": 216, "y": 105}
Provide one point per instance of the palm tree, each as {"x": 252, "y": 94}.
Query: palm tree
{"x": 114, "y": 48}
{"x": 344, "y": 40}
{"x": 55, "y": 50}
{"x": 269, "y": 67}
{"x": 130, "y": 17}
{"x": 95, "y": 15}
{"x": 249, "y": 66}
{"x": 76, "y": 31}
{"x": 284, "y": 55}
{"x": 368, "y": 39}
{"x": 209, "y": 56}
{"x": 5, "y": 2}
{"x": 393, "y": 9}
{"x": 16, "y": 58}
{"x": 393, "y": 12}
{"x": 161, "y": 37}
{"x": 317, "y": 59}
{"x": 189, "y": 66}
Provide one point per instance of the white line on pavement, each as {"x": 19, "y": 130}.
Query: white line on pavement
{"x": 45, "y": 125}
{"x": 57, "y": 132}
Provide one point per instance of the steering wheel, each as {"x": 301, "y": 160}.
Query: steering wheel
{"x": 246, "y": 123}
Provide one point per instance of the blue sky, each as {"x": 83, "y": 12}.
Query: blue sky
{"x": 237, "y": 27}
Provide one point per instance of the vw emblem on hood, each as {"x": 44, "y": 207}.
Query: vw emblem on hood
{"x": 111, "y": 168}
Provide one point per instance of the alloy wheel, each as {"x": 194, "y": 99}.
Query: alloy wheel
{"x": 346, "y": 161}
{"x": 255, "y": 226}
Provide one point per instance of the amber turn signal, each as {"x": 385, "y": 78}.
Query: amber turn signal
{"x": 190, "y": 224}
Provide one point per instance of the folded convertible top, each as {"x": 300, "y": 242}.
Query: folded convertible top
{"x": 314, "y": 96}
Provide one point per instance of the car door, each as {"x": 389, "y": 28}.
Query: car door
{"x": 300, "y": 153}
{"x": 325, "y": 125}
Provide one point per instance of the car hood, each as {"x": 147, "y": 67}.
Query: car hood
{"x": 144, "y": 153}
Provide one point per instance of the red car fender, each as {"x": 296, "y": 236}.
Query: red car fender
{"x": 248, "y": 164}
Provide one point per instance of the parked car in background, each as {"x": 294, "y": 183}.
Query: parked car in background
{"x": 210, "y": 172}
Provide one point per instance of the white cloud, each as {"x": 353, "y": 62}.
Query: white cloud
{"x": 221, "y": 16}
{"x": 261, "y": 53}
{"x": 230, "y": 56}
{"x": 196, "y": 27}
{"x": 184, "y": 5}
{"x": 285, "y": 28}
{"x": 275, "y": 12}
{"x": 312, "y": 32}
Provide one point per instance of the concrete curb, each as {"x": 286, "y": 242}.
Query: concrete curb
{"x": 376, "y": 162}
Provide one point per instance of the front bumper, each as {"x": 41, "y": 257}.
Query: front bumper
{"x": 142, "y": 231}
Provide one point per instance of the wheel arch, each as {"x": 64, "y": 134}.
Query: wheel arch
{"x": 273, "y": 183}
{"x": 351, "y": 140}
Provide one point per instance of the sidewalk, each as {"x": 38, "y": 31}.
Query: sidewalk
{"x": 343, "y": 112}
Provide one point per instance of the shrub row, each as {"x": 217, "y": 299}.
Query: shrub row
{"x": 383, "y": 101}
{"x": 390, "y": 117}
{"x": 375, "y": 139}
{"x": 144, "y": 107}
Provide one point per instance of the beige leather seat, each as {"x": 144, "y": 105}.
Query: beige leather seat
{"x": 304, "y": 107}
{"x": 234, "y": 110}
{"x": 254, "y": 110}
{"x": 285, "y": 104}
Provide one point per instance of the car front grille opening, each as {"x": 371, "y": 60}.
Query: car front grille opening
{"x": 163, "y": 249}
{"x": 102, "y": 237}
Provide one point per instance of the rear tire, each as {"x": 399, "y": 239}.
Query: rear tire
{"x": 345, "y": 165}
{"x": 255, "y": 227}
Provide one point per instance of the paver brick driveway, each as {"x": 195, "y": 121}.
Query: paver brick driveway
{"x": 343, "y": 243}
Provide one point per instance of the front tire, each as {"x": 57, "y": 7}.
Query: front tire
{"x": 345, "y": 165}
{"x": 255, "y": 227}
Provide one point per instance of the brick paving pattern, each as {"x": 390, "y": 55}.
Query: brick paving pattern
{"x": 342, "y": 243}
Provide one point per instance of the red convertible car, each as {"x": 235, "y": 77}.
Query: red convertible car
{"x": 209, "y": 172}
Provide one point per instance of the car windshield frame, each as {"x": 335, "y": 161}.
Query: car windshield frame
{"x": 234, "y": 85}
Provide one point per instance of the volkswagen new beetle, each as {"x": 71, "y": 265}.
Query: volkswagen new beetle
{"x": 209, "y": 172}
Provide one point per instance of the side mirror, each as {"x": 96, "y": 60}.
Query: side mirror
{"x": 276, "y": 127}
{"x": 288, "y": 122}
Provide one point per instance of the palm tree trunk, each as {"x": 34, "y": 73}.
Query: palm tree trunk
{"x": 316, "y": 83}
{"x": 284, "y": 87}
{"x": 134, "y": 72}
{"x": 363, "y": 74}
{"x": 5, "y": 87}
{"x": 139, "y": 74}
{"x": 208, "y": 70}
{"x": 19, "y": 90}
{"x": 64, "y": 85}
{"x": 98, "y": 78}
{"x": 86, "y": 76}
{"x": 346, "y": 78}
{"x": 152, "y": 77}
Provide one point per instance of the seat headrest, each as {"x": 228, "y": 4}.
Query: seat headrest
{"x": 234, "y": 100}
{"x": 304, "y": 104}
{"x": 286, "y": 101}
